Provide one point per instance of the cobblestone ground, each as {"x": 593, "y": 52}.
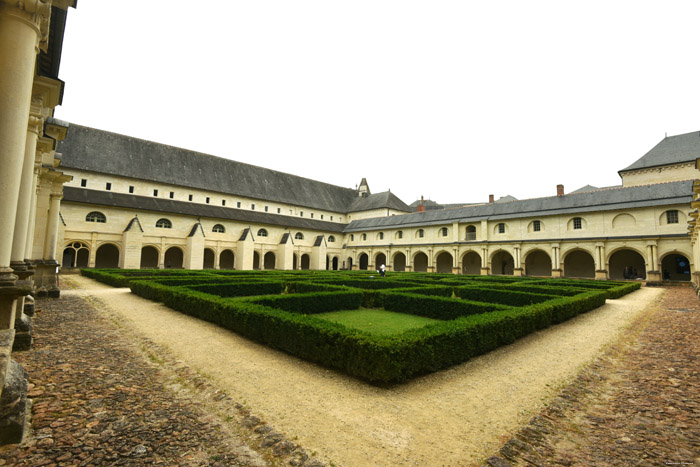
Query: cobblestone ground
{"x": 99, "y": 401}
{"x": 639, "y": 404}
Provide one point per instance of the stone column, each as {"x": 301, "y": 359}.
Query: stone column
{"x": 52, "y": 226}
{"x": 455, "y": 261}
{"x": 556, "y": 261}
{"x": 409, "y": 265}
{"x": 518, "y": 267}
{"x": 32, "y": 212}
{"x": 484, "y": 260}
{"x": 601, "y": 272}
{"x": 654, "y": 269}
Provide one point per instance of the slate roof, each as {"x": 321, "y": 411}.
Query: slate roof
{"x": 616, "y": 198}
{"x": 385, "y": 199}
{"x": 144, "y": 203}
{"x": 583, "y": 189}
{"x": 109, "y": 153}
{"x": 670, "y": 150}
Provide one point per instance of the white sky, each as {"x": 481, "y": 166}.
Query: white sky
{"x": 453, "y": 100}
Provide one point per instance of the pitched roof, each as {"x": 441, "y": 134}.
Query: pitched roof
{"x": 109, "y": 153}
{"x": 670, "y": 150}
{"x": 661, "y": 194}
{"x": 145, "y": 203}
{"x": 583, "y": 189}
{"x": 385, "y": 199}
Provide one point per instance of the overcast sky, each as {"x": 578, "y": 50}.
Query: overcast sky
{"x": 453, "y": 100}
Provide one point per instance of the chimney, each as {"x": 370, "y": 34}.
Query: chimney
{"x": 560, "y": 190}
{"x": 491, "y": 200}
{"x": 421, "y": 206}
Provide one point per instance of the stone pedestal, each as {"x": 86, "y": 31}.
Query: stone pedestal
{"x": 431, "y": 269}
{"x": 456, "y": 270}
{"x": 654, "y": 276}
{"x": 601, "y": 274}
{"x": 518, "y": 272}
{"x": 557, "y": 273}
{"x": 46, "y": 278}
{"x": 484, "y": 271}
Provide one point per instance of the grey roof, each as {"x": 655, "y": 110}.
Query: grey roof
{"x": 670, "y": 150}
{"x": 583, "y": 189}
{"x": 506, "y": 199}
{"x": 110, "y": 153}
{"x": 661, "y": 194}
{"x": 145, "y": 203}
{"x": 385, "y": 199}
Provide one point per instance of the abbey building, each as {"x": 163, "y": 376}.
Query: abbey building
{"x": 137, "y": 204}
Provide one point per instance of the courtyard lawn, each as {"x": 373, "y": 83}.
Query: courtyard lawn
{"x": 377, "y": 321}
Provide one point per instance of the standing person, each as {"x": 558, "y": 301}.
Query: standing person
{"x": 382, "y": 270}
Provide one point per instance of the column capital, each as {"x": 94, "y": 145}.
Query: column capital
{"x": 35, "y": 13}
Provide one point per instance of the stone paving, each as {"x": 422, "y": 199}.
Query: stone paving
{"x": 639, "y": 404}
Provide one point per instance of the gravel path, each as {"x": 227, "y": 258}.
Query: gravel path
{"x": 454, "y": 417}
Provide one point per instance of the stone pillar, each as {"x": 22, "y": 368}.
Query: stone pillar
{"x": 654, "y": 268}
{"x": 52, "y": 228}
{"x": 556, "y": 262}
{"x": 517, "y": 264}
{"x": 431, "y": 261}
{"x": 601, "y": 272}
{"x": 194, "y": 253}
{"x": 285, "y": 253}
{"x": 217, "y": 255}
{"x": 132, "y": 241}
{"x": 484, "y": 258}
{"x": 32, "y": 212}
{"x": 455, "y": 258}
{"x": 409, "y": 266}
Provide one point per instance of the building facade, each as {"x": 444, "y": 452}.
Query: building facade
{"x": 137, "y": 204}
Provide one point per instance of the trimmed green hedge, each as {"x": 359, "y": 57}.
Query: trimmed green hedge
{"x": 311, "y": 303}
{"x": 435, "y": 307}
{"x": 504, "y": 297}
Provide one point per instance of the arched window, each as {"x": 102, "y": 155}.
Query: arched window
{"x": 420, "y": 233}
{"x": 471, "y": 232}
{"x": 262, "y": 233}
{"x": 352, "y": 237}
{"x": 218, "y": 228}
{"x": 380, "y": 236}
{"x": 164, "y": 224}
{"x": 399, "y": 234}
{"x": 95, "y": 216}
{"x": 331, "y": 239}
{"x": 364, "y": 236}
{"x": 299, "y": 236}
{"x": 443, "y": 232}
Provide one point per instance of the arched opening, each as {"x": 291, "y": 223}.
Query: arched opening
{"x": 538, "y": 263}
{"x": 173, "y": 258}
{"x": 305, "y": 261}
{"x": 335, "y": 263}
{"x": 149, "y": 257}
{"x": 399, "y": 262}
{"x": 502, "y": 264}
{"x": 350, "y": 264}
{"x": 443, "y": 263}
{"x": 579, "y": 263}
{"x": 269, "y": 260}
{"x": 107, "y": 256}
{"x": 256, "y": 260}
{"x": 420, "y": 262}
{"x": 471, "y": 233}
{"x": 471, "y": 263}
{"x": 328, "y": 262}
{"x": 379, "y": 260}
{"x": 68, "y": 260}
{"x": 209, "y": 258}
{"x": 364, "y": 261}
{"x": 626, "y": 264}
{"x": 295, "y": 262}
{"x": 226, "y": 260}
{"x": 675, "y": 267}
{"x": 76, "y": 255}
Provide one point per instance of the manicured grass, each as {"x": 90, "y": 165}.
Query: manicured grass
{"x": 377, "y": 321}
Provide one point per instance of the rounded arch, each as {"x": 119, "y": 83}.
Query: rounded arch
{"x": 107, "y": 256}
{"x": 269, "y": 260}
{"x": 380, "y": 236}
{"x": 75, "y": 255}
{"x": 331, "y": 239}
{"x": 443, "y": 262}
{"x": 149, "y": 257}
{"x": 164, "y": 223}
{"x": 623, "y": 221}
{"x": 262, "y": 233}
{"x": 398, "y": 262}
{"x": 626, "y": 263}
{"x": 227, "y": 259}
{"x": 500, "y": 228}
{"x": 298, "y": 236}
{"x": 675, "y": 267}
{"x": 420, "y": 233}
{"x": 334, "y": 263}
{"x": 471, "y": 263}
{"x": 535, "y": 226}
{"x": 420, "y": 262}
{"x": 305, "y": 261}
{"x": 502, "y": 263}
{"x": 577, "y": 223}
{"x": 379, "y": 259}
{"x": 672, "y": 217}
{"x": 209, "y": 258}
{"x": 349, "y": 263}
{"x": 471, "y": 232}
{"x": 363, "y": 261}
{"x": 538, "y": 263}
{"x": 174, "y": 258}
{"x": 443, "y": 232}
{"x": 96, "y": 216}
{"x": 218, "y": 228}
{"x": 579, "y": 263}
{"x": 256, "y": 260}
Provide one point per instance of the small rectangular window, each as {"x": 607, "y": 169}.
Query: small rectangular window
{"x": 238, "y": 204}
{"x": 172, "y": 194}
{"x": 312, "y": 215}
{"x": 108, "y": 186}
{"x": 536, "y": 226}
{"x": 207, "y": 200}
{"x": 155, "y": 192}
{"x": 252, "y": 206}
{"x": 321, "y": 216}
{"x": 331, "y": 217}
{"x": 279, "y": 210}
{"x": 223, "y": 202}
{"x": 301, "y": 213}
{"x": 266, "y": 208}
{"x": 672, "y": 217}
{"x": 501, "y": 228}
{"x": 189, "y": 197}
{"x": 577, "y": 223}
{"x": 83, "y": 182}
{"x": 131, "y": 189}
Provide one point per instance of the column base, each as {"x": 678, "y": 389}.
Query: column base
{"x": 557, "y": 273}
{"x": 29, "y": 305}
{"x": 431, "y": 268}
{"x": 601, "y": 274}
{"x": 408, "y": 268}
{"x": 518, "y": 272}
{"x": 46, "y": 278}
{"x": 654, "y": 276}
{"x": 13, "y": 402}
{"x": 23, "y": 333}
{"x": 484, "y": 271}
{"x": 457, "y": 270}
